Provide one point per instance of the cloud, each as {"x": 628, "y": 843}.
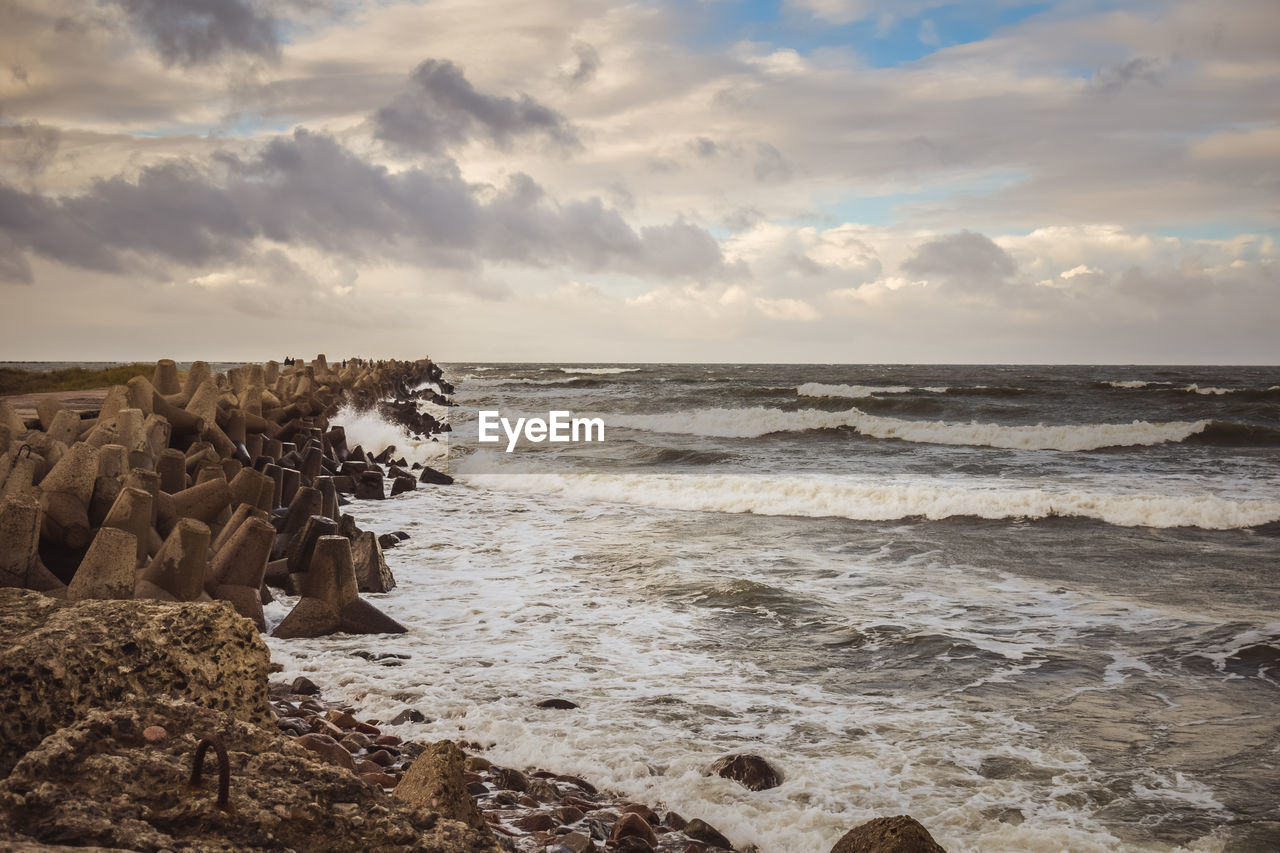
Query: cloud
{"x": 587, "y": 67}
{"x": 28, "y": 147}
{"x": 306, "y": 190}
{"x": 442, "y": 109}
{"x": 770, "y": 165}
{"x": 1140, "y": 69}
{"x": 192, "y": 32}
{"x": 966, "y": 260}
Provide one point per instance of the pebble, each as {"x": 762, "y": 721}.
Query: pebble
{"x": 154, "y": 734}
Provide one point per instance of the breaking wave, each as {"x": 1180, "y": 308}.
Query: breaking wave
{"x": 1194, "y": 388}
{"x": 600, "y": 371}
{"x": 817, "y": 389}
{"x": 758, "y": 421}
{"x": 818, "y": 498}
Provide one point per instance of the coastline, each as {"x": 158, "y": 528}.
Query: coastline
{"x": 256, "y": 475}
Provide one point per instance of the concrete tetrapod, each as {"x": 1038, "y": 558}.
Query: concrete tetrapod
{"x": 108, "y": 568}
{"x": 65, "y": 493}
{"x": 20, "y": 564}
{"x": 132, "y": 513}
{"x": 177, "y": 572}
{"x": 238, "y": 568}
{"x": 330, "y": 601}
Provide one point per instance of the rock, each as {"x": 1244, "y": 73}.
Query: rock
{"x": 634, "y": 844}
{"x": 408, "y": 715}
{"x": 573, "y": 842}
{"x": 388, "y": 540}
{"x": 436, "y": 781}
{"x": 57, "y": 661}
{"x": 155, "y": 734}
{"x": 700, "y": 830}
{"x": 402, "y": 484}
{"x": 631, "y": 825}
{"x": 568, "y": 814}
{"x": 303, "y": 686}
{"x": 751, "y": 771}
{"x": 673, "y": 820}
{"x": 509, "y": 779}
{"x": 558, "y": 704}
{"x": 328, "y": 749}
{"x": 434, "y": 477}
{"x": 900, "y": 834}
{"x": 99, "y": 783}
{"x": 542, "y": 791}
{"x": 536, "y": 822}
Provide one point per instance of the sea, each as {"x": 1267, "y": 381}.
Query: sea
{"x": 1036, "y": 608}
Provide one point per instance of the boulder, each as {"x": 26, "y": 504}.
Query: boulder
{"x": 750, "y": 771}
{"x": 634, "y": 826}
{"x": 102, "y": 782}
{"x": 437, "y": 780}
{"x": 899, "y": 834}
{"x": 58, "y": 660}
{"x": 700, "y": 830}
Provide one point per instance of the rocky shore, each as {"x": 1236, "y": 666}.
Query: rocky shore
{"x": 139, "y": 541}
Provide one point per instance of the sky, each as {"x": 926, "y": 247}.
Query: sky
{"x": 858, "y": 181}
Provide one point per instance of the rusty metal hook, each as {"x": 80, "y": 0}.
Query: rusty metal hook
{"x": 224, "y": 770}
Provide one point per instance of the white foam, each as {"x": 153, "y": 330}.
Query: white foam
{"x": 482, "y": 382}
{"x": 757, "y": 421}
{"x": 877, "y": 501}
{"x": 369, "y": 430}
{"x": 817, "y": 389}
{"x": 1194, "y": 388}
{"x": 600, "y": 371}
{"x": 502, "y": 613}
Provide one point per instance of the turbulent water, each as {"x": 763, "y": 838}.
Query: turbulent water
{"x": 1035, "y": 608}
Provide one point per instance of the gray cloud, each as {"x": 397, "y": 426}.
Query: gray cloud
{"x": 306, "y": 190}
{"x": 442, "y": 108}
{"x": 191, "y": 32}
{"x": 966, "y": 260}
{"x": 588, "y": 64}
{"x": 1140, "y": 69}
{"x": 29, "y": 147}
{"x": 770, "y": 164}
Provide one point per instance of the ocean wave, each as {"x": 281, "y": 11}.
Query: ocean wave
{"x": 483, "y": 382}
{"x": 758, "y": 421}
{"x": 601, "y": 371}
{"x": 862, "y": 392}
{"x": 819, "y": 498}
{"x": 817, "y": 389}
{"x": 1193, "y": 388}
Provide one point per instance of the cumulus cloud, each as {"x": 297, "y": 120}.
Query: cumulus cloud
{"x": 442, "y": 108}
{"x": 965, "y": 260}
{"x": 308, "y": 190}
{"x": 191, "y": 32}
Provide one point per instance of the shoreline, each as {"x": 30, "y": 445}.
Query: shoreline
{"x": 226, "y": 485}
